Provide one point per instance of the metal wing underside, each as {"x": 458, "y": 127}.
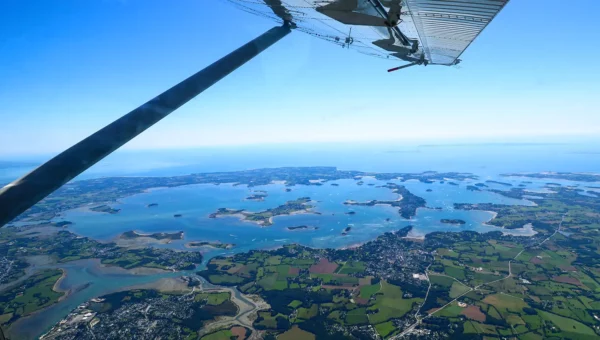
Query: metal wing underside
{"x": 436, "y": 31}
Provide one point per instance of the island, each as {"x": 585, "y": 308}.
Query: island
{"x": 429, "y": 190}
{"x": 257, "y": 197}
{"x": 288, "y": 189}
{"x": 499, "y": 183}
{"x": 481, "y": 185}
{"x": 452, "y": 183}
{"x": 452, "y": 221}
{"x": 218, "y": 245}
{"x": 301, "y": 227}
{"x": 133, "y": 239}
{"x": 346, "y": 230}
{"x": 473, "y": 188}
{"x": 265, "y": 218}
{"x": 152, "y": 205}
{"x": 177, "y": 215}
{"x": 105, "y": 209}
{"x": 335, "y": 185}
{"x": 157, "y": 236}
{"x": 408, "y": 203}
{"x": 360, "y": 183}
{"x": 350, "y": 213}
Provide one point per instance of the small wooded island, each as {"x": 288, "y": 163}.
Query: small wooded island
{"x": 157, "y": 236}
{"x": 105, "y": 209}
{"x": 196, "y": 244}
{"x": 257, "y": 197}
{"x": 300, "y": 227}
{"x": 452, "y": 221}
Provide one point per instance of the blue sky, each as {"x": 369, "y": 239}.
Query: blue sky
{"x": 69, "y": 67}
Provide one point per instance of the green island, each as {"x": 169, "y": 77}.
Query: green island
{"x": 109, "y": 189}
{"x": 157, "y": 236}
{"x": 197, "y": 244}
{"x": 408, "y": 203}
{"x": 105, "y": 209}
{"x": 452, "y": 221}
{"x": 499, "y": 183}
{"x": 265, "y": 218}
{"x": 300, "y": 227}
{"x": 259, "y": 197}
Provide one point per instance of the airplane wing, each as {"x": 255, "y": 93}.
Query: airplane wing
{"x": 434, "y": 32}
{"x": 446, "y": 28}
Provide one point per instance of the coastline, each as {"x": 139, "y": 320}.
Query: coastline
{"x": 56, "y": 286}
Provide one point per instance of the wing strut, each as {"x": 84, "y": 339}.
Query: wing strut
{"x": 23, "y": 193}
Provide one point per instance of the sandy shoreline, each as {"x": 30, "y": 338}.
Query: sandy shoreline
{"x": 56, "y": 286}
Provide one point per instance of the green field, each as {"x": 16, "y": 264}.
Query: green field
{"x": 352, "y": 267}
{"x": 367, "y": 291}
{"x": 385, "y": 329}
{"x": 225, "y": 279}
{"x": 390, "y": 304}
{"x": 213, "y": 299}
{"x": 296, "y": 333}
{"x": 308, "y": 313}
{"x": 478, "y": 328}
{"x": 458, "y": 289}
{"x": 450, "y": 311}
{"x": 570, "y": 328}
{"x": 357, "y": 316}
{"x": 295, "y": 304}
{"x": 220, "y": 335}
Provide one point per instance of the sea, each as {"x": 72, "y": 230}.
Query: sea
{"x": 86, "y": 279}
